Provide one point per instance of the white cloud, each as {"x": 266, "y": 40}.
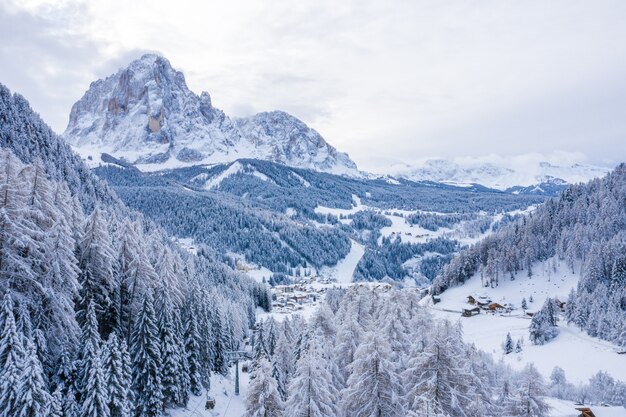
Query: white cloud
{"x": 384, "y": 81}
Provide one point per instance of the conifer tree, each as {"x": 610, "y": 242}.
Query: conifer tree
{"x": 33, "y": 398}
{"x": 96, "y": 264}
{"x": 283, "y": 365}
{"x": 508, "y": 344}
{"x": 263, "y": 399}
{"x": 527, "y": 400}
{"x": 169, "y": 347}
{"x": 183, "y": 380}
{"x": 56, "y": 404}
{"x": 117, "y": 368}
{"x": 192, "y": 349}
{"x": 312, "y": 392}
{"x": 146, "y": 358}
{"x": 11, "y": 357}
{"x": 89, "y": 346}
{"x": 373, "y": 388}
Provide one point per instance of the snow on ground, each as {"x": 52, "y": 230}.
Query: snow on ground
{"x": 259, "y": 273}
{"x": 407, "y": 232}
{"x": 579, "y": 354}
{"x": 227, "y": 404}
{"x": 215, "y": 182}
{"x": 547, "y": 281}
{"x": 187, "y": 244}
{"x": 344, "y": 270}
{"x": 562, "y": 408}
{"x": 357, "y": 206}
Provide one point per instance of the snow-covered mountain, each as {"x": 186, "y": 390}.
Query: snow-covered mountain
{"x": 146, "y": 115}
{"x": 499, "y": 176}
{"x": 287, "y": 140}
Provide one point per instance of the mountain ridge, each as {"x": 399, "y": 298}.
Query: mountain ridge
{"x": 146, "y": 115}
{"x": 511, "y": 177}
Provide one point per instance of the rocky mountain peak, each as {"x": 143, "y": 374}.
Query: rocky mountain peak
{"x": 146, "y": 115}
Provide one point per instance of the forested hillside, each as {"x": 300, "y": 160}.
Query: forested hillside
{"x": 377, "y": 353}
{"x": 102, "y": 314}
{"x": 586, "y": 229}
{"x": 267, "y": 213}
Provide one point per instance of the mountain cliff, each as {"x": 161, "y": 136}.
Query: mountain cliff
{"x": 146, "y": 115}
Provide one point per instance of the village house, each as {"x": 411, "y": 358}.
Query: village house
{"x": 469, "y": 312}
{"x": 496, "y": 307}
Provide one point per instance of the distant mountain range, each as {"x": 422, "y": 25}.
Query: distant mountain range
{"x": 532, "y": 178}
{"x": 146, "y": 115}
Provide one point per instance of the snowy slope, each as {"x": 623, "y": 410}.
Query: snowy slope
{"x": 280, "y": 137}
{"x": 344, "y": 270}
{"x": 146, "y": 115}
{"x": 488, "y": 331}
{"x": 500, "y": 176}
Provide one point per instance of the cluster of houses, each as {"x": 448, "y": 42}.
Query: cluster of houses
{"x": 293, "y": 297}
{"x": 478, "y": 303}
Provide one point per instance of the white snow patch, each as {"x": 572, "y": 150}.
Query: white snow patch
{"x": 344, "y": 270}
{"x": 302, "y": 180}
{"x": 227, "y": 404}
{"x": 215, "y": 182}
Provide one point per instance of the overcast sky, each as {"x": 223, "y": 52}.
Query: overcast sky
{"x": 386, "y": 81}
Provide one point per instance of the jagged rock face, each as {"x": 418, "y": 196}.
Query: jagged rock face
{"x": 280, "y": 137}
{"x": 145, "y": 114}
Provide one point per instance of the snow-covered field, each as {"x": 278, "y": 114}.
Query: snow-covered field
{"x": 344, "y": 270}
{"x": 577, "y": 353}
{"x": 227, "y": 404}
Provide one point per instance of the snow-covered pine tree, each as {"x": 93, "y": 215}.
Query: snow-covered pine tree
{"x": 543, "y": 324}
{"x": 183, "y": 380}
{"x": 263, "y": 399}
{"x": 165, "y": 268}
{"x": 527, "y": 400}
{"x": 147, "y": 366}
{"x": 258, "y": 347}
{"x": 349, "y": 337}
{"x": 33, "y": 398}
{"x": 56, "y": 404}
{"x": 192, "y": 349}
{"x": 435, "y": 379}
{"x": 15, "y": 230}
{"x": 394, "y": 322}
{"x": 323, "y": 319}
{"x": 135, "y": 274}
{"x": 283, "y": 364}
{"x": 96, "y": 278}
{"x": 508, "y": 344}
{"x": 169, "y": 346}
{"x": 312, "y": 392}
{"x": 89, "y": 345}
{"x": 117, "y": 368}
{"x": 219, "y": 360}
{"x": 373, "y": 388}
{"x": 23, "y": 323}
{"x": 270, "y": 336}
{"x": 94, "y": 396}
{"x": 11, "y": 357}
